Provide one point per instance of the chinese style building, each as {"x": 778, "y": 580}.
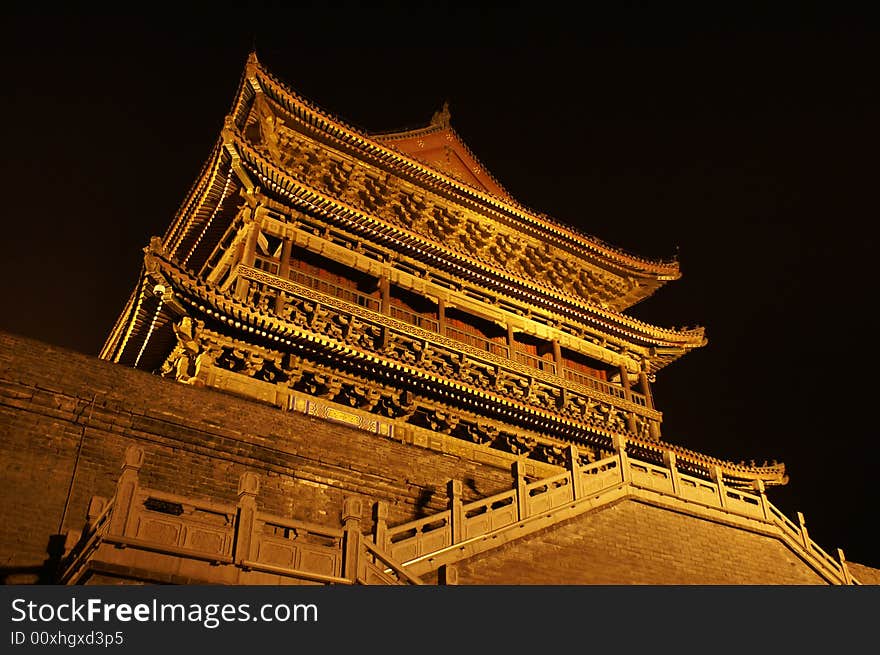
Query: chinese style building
{"x": 396, "y": 373}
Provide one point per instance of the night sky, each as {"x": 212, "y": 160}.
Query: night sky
{"x": 744, "y": 145}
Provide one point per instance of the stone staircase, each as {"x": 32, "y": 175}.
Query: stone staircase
{"x": 148, "y": 535}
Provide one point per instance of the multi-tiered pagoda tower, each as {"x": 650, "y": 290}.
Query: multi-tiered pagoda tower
{"x": 393, "y": 274}
{"x": 417, "y": 341}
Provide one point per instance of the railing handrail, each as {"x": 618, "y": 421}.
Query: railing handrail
{"x": 145, "y": 493}
{"x": 336, "y": 290}
{"x": 548, "y": 482}
{"x": 391, "y": 565}
{"x": 417, "y": 524}
{"x": 489, "y": 501}
{"x": 294, "y": 524}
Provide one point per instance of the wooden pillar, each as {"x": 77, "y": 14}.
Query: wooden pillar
{"x": 453, "y": 491}
{"x": 248, "y": 254}
{"x": 645, "y": 388}
{"x": 557, "y": 357}
{"x": 511, "y": 342}
{"x": 283, "y": 271}
{"x": 385, "y": 293}
{"x": 380, "y": 524}
{"x": 624, "y": 382}
{"x": 248, "y": 488}
{"x": 385, "y": 305}
{"x": 627, "y": 395}
{"x": 250, "y": 248}
{"x": 352, "y": 508}
{"x": 519, "y": 478}
{"x": 441, "y": 316}
{"x": 126, "y": 491}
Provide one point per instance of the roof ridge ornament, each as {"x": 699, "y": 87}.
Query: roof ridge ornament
{"x": 442, "y": 117}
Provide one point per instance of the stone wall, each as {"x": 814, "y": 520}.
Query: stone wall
{"x": 67, "y": 418}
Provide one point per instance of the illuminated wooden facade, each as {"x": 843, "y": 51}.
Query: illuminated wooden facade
{"x": 391, "y": 273}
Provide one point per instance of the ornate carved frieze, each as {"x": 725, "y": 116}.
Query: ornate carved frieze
{"x": 388, "y": 197}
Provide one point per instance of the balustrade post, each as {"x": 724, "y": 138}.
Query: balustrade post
{"x": 454, "y": 490}
{"x": 248, "y": 255}
{"x": 519, "y": 478}
{"x": 718, "y": 479}
{"x": 619, "y": 444}
{"x": 805, "y": 536}
{"x": 126, "y": 491}
{"x": 352, "y": 509}
{"x": 646, "y": 390}
{"x": 380, "y": 525}
{"x": 557, "y": 358}
{"x": 574, "y": 466}
{"x": 758, "y": 485}
{"x": 624, "y": 382}
{"x": 248, "y": 488}
{"x": 847, "y": 577}
{"x": 669, "y": 460}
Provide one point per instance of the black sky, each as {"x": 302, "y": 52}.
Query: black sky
{"x": 745, "y": 144}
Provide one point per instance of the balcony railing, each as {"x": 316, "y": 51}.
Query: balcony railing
{"x": 424, "y": 322}
{"x": 343, "y": 293}
{"x": 477, "y": 341}
{"x": 535, "y": 362}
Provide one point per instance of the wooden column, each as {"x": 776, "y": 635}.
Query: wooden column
{"x": 557, "y": 357}
{"x": 385, "y": 293}
{"x": 385, "y": 305}
{"x": 646, "y": 390}
{"x": 441, "y": 316}
{"x": 283, "y": 271}
{"x": 248, "y": 254}
{"x": 624, "y": 382}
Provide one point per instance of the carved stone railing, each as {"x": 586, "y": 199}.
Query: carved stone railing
{"x": 140, "y": 519}
{"x": 585, "y": 487}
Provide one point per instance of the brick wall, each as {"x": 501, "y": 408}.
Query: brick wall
{"x": 61, "y": 411}
{"x": 635, "y": 543}
{"x": 67, "y": 418}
